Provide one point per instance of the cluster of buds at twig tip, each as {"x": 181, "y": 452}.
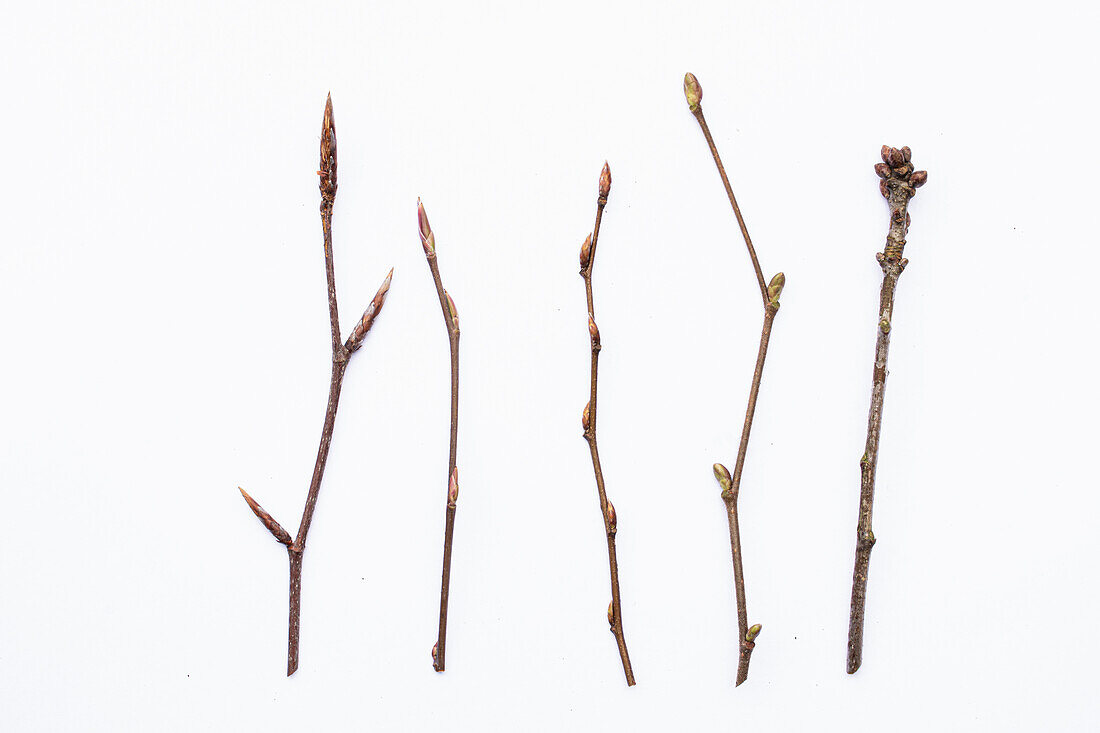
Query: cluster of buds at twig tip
{"x": 593, "y": 332}
{"x": 586, "y": 252}
{"x": 452, "y": 488}
{"x": 605, "y": 180}
{"x": 272, "y": 526}
{"x": 452, "y": 309}
{"x": 355, "y": 340}
{"x": 427, "y": 237}
{"x": 896, "y": 171}
{"x": 612, "y": 520}
{"x": 328, "y": 154}
{"x": 753, "y": 632}
{"x": 611, "y": 615}
{"x": 584, "y": 417}
{"x": 692, "y": 91}
{"x": 724, "y": 480}
{"x": 775, "y": 287}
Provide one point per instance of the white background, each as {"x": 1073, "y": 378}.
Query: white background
{"x": 165, "y": 339}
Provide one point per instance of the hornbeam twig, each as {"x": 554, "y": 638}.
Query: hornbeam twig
{"x": 341, "y": 352}
{"x": 450, "y": 319}
{"x": 899, "y": 184}
{"x": 731, "y": 483}
{"x": 588, "y": 421}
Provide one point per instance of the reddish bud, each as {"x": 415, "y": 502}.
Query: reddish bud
{"x": 355, "y": 340}
{"x": 882, "y": 170}
{"x": 328, "y": 153}
{"x": 693, "y": 91}
{"x": 605, "y": 180}
{"x": 593, "y": 331}
{"x": 586, "y": 251}
{"x": 427, "y": 237}
{"x": 435, "y": 653}
{"x": 611, "y": 614}
{"x": 452, "y": 488}
{"x": 885, "y": 154}
{"x": 272, "y": 526}
{"x": 918, "y": 179}
{"x": 452, "y": 309}
{"x": 612, "y": 521}
{"x": 907, "y": 153}
{"x": 894, "y": 158}
{"x": 584, "y": 416}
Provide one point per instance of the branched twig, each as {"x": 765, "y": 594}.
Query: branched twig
{"x": 588, "y": 421}
{"x": 899, "y": 184}
{"x": 731, "y": 484}
{"x": 450, "y": 319}
{"x": 341, "y": 352}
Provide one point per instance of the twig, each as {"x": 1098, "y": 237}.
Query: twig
{"x": 450, "y": 319}
{"x": 731, "y": 484}
{"x": 899, "y": 184}
{"x": 588, "y": 421}
{"x": 341, "y": 352}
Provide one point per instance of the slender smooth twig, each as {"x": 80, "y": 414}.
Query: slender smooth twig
{"x": 731, "y": 483}
{"x": 450, "y": 319}
{"x": 588, "y": 421}
{"x": 341, "y": 352}
{"x": 899, "y": 183}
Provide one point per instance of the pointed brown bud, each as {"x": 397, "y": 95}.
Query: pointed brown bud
{"x": 753, "y": 632}
{"x": 612, "y": 520}
{"x": 272, "y": 526}
{"x": 593, "y": 332}
{"x": 328, "y": 154}
{"x": 586, "y": 251}
{"x": 584, "y": 416}
{"x": 775, "y": 287}
{"x": 882, "y": 170}
{"x": 894, "y": 158}
{"x": 611, "y": 614}
{"x": 427, "y": 237}
{"x": 605, "y": 180}
{"x": 907, "y": 153}
{"x": 918, "y": 179}
{"x": 452, "y": 488}
{"x": 355, "y": 340}
{"x": 885, "y": 154}
{"x": 693, "y": 91}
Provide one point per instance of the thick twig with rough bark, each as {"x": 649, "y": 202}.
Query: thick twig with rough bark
{"x": 588, "y": 422}
{"x": 899, "y": 184}
{"x": 341, "y": 352}
{"x": 450, "y": 319}
{"x": 731, "y": 483}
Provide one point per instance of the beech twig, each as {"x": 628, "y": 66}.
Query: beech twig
{"x": 341, "y": 352}
{"x": 588, "y": 421}
{"x": 899, "y": 183}
{"x": 450, "y": 319}
{"x": 731, "y": 483}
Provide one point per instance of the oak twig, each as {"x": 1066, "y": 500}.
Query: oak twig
{"x": 588, "y": 421}
{"x": 450, "y": 319}
{"x": 341, "y": 352}
{"x": 899, "y": 183}
{"x": 731, "y": 483}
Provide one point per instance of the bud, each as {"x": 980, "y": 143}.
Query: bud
{"x": 452, "y": 309}
{"x": 328, "y": 154}
{"x": 612, "y": 520}
{"x": 723, "y": 475}
{"x": 692, "y": 91}
{"x": 605, "y": 180}
{"x": 611, "y": 614}
{"x": 882, "y": 170}
{"x": 452, "y": 488}
{"x": 885, "y": 154}
{"x": 907, "y": 153}
{"x": 435, "y": 653}
{"x": 753, "y": 632}
{"x": 894, "y": 158}
{"x": 272, "y": 526}
{"x": 355, "y": 340}
{"x": 593, "y": 331}
{"x": 584, "y": 416}
{"x": 586, "y": 251}
{"x": 918, "y": 179}
{"x": 775, "y": 287}
{"x": 427, "y": 237}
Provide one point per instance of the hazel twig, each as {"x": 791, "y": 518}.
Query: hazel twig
{"x": 450, "y": 320}
{"x": 899, "y": 183}
{"x": 588, "y": 422}
{"x": 731, "y": 483}
{"x": 341, "y": 352}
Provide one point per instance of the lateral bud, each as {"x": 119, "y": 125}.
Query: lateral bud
{"x": 612, "y": 520}
{"x": 427, "y": 236}
{"x": 452, "y": 488}
{"x": 272, "y": 526}
{"x": 452, "y": 309}
{"x": 593, "y": 332}
{"x": 753, "y": 632}
{"x": 918, "y": 179}
{"x": 584, "y": 416}
{"x": 605, "y": 180}
{"x": 435, "y": 653}
{"x": 775, "y": 287}
{"x": 611, "y": 615}
{"x": 722, "y": 474}
{"x": 355, "y": 340}
{"x": 692, "y": 91}
{"x": 586, "y": 251}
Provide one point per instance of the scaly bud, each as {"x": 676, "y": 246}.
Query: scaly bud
{"x": 894, "y": 158}
{"x": 584, "y": 416}
{"x": 692, "y": 91}
{"x": 452, "y": 309}
{"x": 272, "y": 526}
{"x": 907, "y": 153}
{"x": 724, "y": 480}
{"x": 775, "y": 287}
{"x": 612, "y": 521}
{"x": 885, "y": 154}
{"x": 593, "y": 332}
{"x": 452, "y": 488}
{"x": 355, "y": 340}
{"x": 586, "y": 251}
{"x": 427, "y": 237}
{"x": 753, "y": 632}
{"x": 882, "y": 170}
{"x": 605, "y": 180}
{"x": 328, "y": 154}
{"x": 918, "y": 179}
{"x": 435, "y": 653}
{"x": 611, "y": 614}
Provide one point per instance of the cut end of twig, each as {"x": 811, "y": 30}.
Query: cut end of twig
{"x": 355, "y": 340}
{"x": 605, "y": 180}
{"x": 593, "y": 332}
{"x": 693, "y": 91}
{"x": 328, "y": 153}
{"x": 725, "y": 480}
{"x": 452, "y": 488}
{"x": 452, "y": 309}
{"x": 753, "y": 632}
{"x": 268, "y": 521}
{"x": 427, "y": 237}
{"x": 584, "y": 417}
{"x": 586, "y": 252}
{"x": 775, "y": 287}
